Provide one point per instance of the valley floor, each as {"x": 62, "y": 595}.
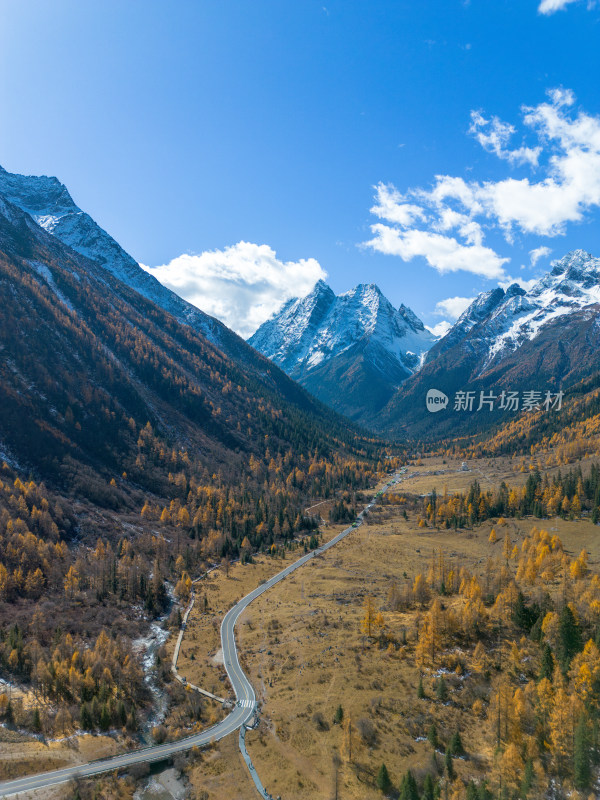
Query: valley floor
{"x": 337, "y": 703}
{"x": 306, "y": 654}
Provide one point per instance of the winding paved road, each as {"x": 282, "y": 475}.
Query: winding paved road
{"x": 242, "y": 712}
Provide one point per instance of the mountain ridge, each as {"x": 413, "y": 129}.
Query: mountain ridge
{"x": 109, "y": 355}
{"x": 50, "y": 205}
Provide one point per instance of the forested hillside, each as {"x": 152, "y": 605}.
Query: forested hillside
{"x": 135, "y": 453}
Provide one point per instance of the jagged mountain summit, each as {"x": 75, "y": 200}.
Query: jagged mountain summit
{"x": 49, "y": 204}
{"x": 351, "y": 350}
{"x": 547, "y": 337}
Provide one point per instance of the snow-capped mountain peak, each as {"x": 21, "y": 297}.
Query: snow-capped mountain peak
{"x": 44, "y": 198}
{"x": 311, "y": 332}
{"x": 411, "y": 318}
{"x": 498, "y": 322}
{"x": 544, "y": 339}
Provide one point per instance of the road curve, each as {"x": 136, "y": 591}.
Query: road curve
{"x": 242, "y": 712}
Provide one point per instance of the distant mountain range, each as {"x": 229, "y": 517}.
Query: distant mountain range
{"x": 375, "y": 363}
{"x": 504, "y": 321}
{"x": 355, "y": 352}
{"x": 544, "y": 339}
{"x": 351, "y": 351}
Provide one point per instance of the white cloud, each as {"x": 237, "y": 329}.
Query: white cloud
{"x": 571, "y": 185}
{"x": 390, "y": 207}
{"x": 242, "y": 285}
{"x": 444, "y": 253}
{"x": 524, "y": 284}
{"x": 561, "y": 96}
{"x": 453, "y": 307}
{"x": 446, "y": 223}
{"x": 494, "y": 135}
{"x": 441, "y": 329}
{"x": 550, "y": 6}
{"x": 538, "y": 253}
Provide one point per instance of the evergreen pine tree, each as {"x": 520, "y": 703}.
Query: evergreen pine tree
{"x": 36, "y": 722}
{"x": 420, "y": 690}
{"x": 528, "y": 778}
{"x": 105, "y": 717}
{"x": 449, "y": 765}
{"x": 441, "y": 691}
{"x": 432, "y": 736}
{"x": 535, "y": 634}
{"x": 569, "y": 638}
{"x": 428, "y": 788}
{"x": 85, "y": 718}
{"x": 547, "y": 663}
{"x": 483, "y": 793}
{"x": 409, "y": 789}
{"x": 456, "y": 745}
{"x": 582, "y": 767}
{"x": 339, "y": 715}
{"x": 383, "y": 779}
{"x": 521, "y": 614}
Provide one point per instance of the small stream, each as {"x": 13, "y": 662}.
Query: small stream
{"x": 147, "y": 647}
{"x": 165, "y": 784}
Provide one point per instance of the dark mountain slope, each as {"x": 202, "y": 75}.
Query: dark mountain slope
{"x": 86, "y": 363}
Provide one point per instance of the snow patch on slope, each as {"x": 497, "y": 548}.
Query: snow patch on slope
{"x": 45, "y": 273}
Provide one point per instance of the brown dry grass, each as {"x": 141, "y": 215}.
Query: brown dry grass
{"x": 21, "y": 756}
{"x": 307, "y": 655}
{"x": 221, "y": 772}
{"x": 304, "y": 651}
{"x": 199, "y": 654}
{"x": 302, "y": 647}
{"x": 489, "y": 472}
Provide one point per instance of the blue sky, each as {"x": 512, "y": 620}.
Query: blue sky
{"x": 192, "y": 127}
